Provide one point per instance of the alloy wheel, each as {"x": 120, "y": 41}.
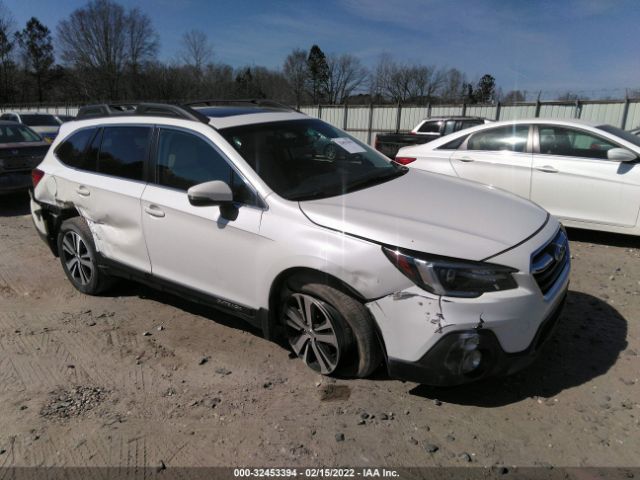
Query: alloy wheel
{"x": 77, "y": 258}
{"x": 311, "y": 334}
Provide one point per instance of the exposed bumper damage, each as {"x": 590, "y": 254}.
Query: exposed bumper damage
{"x": 445, "y": 341}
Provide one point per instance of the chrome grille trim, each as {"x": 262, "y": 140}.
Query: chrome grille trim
{"x": 548, "y": 263}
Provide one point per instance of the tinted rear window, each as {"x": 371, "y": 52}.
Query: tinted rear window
{"x": 17, "y": 134}
{"x": 34, "y": 120}
{"x": 123, "y": 151}
{"x": 72, "y": 151}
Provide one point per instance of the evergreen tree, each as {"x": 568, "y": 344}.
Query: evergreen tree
{"x": 37, "y": 47}
{"x": 485, "y": 92}
{"x": 318, "y": 74}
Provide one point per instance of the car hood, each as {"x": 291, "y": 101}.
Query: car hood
{"x": 432, "y": 213}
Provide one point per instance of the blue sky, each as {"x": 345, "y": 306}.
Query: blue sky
{"x": 551, "y": 45}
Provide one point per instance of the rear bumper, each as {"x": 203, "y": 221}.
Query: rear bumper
{"x": 437, "y": 368}
{"x": 15, "y": 182}
{"x": 42, "y": 221}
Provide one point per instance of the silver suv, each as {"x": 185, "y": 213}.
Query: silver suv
{"x": 355, "y": 259}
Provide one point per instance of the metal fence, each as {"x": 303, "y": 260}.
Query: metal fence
{"x": 366, "y": 121}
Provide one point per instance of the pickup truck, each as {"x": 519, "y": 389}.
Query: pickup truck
{"x": 427, "y": 130}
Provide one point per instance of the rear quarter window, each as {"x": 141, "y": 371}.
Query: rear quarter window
{"x": 453, "y": 144}
{"x": 72, "y": 151}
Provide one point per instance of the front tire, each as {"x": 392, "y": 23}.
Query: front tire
{"x": 330, "y": 331}
{"x": 79, "y": 259}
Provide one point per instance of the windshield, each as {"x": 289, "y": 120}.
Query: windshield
{"x": 629, "y": 137}
{"x": 309, "y": 159}
{"x": 36, "y": 120}
{"x": 17, "y": 133}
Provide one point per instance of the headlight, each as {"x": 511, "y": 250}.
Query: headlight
{"x": 451, "y": 277}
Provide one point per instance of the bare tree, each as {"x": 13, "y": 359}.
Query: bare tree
{"x": 346, "y": 74}
{"x": 142, "y": 46}
{"x": 453, "y": 86}
{"x": 570, "y": 96}
{"x": 7, "y": 64}
{"x": 296, "y": 72}
{"x": 196, "y": 49}
{"x": 98, "y": 41}
{"x": 514, "y": 96}
{"x": 403, "y": 82}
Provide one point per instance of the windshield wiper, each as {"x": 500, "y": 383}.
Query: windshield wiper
{"x": 369, "y": 181}
{"x": 313, "y": 195}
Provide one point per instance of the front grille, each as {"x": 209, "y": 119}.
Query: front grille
{"x": 548, "y": 263}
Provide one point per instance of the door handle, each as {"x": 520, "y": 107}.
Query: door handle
{"x": 466, "y": 159}
{"x": 83, "y": 191}
{"x": 547, "y": 169}
{"x": 154, "y": 211}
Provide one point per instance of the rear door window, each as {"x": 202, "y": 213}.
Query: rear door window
{"x": 123, "y": 151}
{"x": 430, "y": 127}
{"x": 450, "y": 127}
{"x": 510, "y": 138}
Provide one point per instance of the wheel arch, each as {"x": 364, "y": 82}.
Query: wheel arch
{"x": 309, "y": 275}
{"x": 54, "y": 217}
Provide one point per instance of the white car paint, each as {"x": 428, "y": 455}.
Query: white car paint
{"x": 428, "y": 215}
{"x": 156, "y": 230}
{"x": 591, "y": 193}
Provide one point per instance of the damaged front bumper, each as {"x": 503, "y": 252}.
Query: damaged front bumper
{"x": 449, "y": 341}
{"x": 449, "y": 363}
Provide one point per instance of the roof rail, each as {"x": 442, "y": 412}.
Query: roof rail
{"x": 258, "y": 102}
{"x": 146, "y": 109}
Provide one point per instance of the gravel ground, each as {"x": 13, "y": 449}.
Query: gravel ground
{"x": 82, "y": 384}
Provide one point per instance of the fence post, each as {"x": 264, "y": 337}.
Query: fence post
{"x": 344, "y": 120}
{"x": 464, "y": 109}
{"x": 538, "y": 105}
{"x": 429, "y": 110}
{"x": 320, "y": 111}
{"x": 370, "y": 129}
{"x": 625, "y": 112}
{"x": 398, "y": 115}
{"x": 498, "y": 107}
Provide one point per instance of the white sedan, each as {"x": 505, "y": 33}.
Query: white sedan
{"x": 587, "y": 175}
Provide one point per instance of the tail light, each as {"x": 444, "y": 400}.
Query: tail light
{"x": 36, "y": 176}
{"x": 404, "y": 160}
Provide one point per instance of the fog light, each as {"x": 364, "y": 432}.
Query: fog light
{"x": 471, "y": 361}
{"x": 470, "y": 341}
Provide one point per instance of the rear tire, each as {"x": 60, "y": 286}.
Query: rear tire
{"x": 79, "y": 259}
{"x": 339, "y": 338}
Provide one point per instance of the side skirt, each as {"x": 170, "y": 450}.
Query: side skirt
{"x": 258, "y": 318}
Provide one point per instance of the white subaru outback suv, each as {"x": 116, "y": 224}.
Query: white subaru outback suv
{"x": 354, "y": 259}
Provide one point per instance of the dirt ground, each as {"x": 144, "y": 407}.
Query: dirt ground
{"x": 81, "y": 383}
